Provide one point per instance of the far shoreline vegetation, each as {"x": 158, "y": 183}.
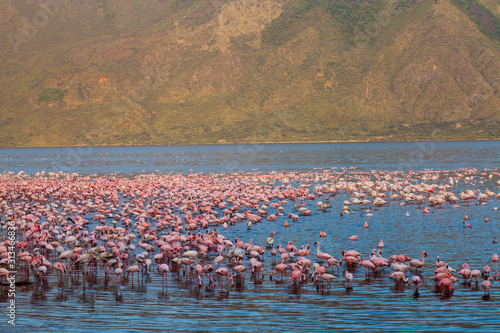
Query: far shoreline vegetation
{"x": 251, "y": 143}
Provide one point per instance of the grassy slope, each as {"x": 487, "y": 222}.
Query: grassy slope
{"x": 208, "y": 71}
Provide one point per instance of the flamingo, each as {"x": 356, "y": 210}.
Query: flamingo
{"x": 445, "y": 286}
{"x": 416, "y": 281}
{"x": 321, "y": 255}
{"x": 296, "y": 276}
{"x": 133, "y": 269}
{"x": 332, "y": 261}
{"x": 367, "y": 264}
{"x": 475, "y": 274}
{"x": 278, "y": 268}
{"x": 60, "y": 268}
{"x": 223, "y": 272}
{"x": 270, "y": 239}
{"x": 417, "y": 263}
{"x": 486, "y": 271}
{"x": 486, "y": 284}
{"x": 328, "y": 277}
{"x": 118, "y": 272}
{"x": 348, "y": 277}
{"x": 399, "y": 276}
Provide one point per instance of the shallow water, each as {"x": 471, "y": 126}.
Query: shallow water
{"x": 372, "y": 305}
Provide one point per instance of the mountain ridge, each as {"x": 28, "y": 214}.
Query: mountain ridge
{"x": 194, "y": 72}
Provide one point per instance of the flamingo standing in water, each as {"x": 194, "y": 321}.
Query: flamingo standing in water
{"x": 416, "y": 281}
{"x": 332, "y": 261}
{"x": 417, "y": 263}
{"x": 133, "y": 269}
{"x": 486, "y": 284}
{"x": 223, "y": 272}
{"x": 118, "y": 272}
{"x": 445, "y": 286}
{"x": 367, "y": 264}
{"x": 60, "y": 268}
{"x": 348, "y": 277}
{"x": 163, "y": 269}
{"x": 465, "y": 272}
{"x": 321, "y": 255}
{"x": 439, "y": 263}
{"x": 327, "y": 277}
{"x": 296, "y": 276}
{"x": 278, "y": 268}
{"x": 273, "y": 253}
{"x": 475, "y": 274}
{"x": 399, "y": 276}
{"x": 486, "y": 271}
{"x": 270, "y": 239}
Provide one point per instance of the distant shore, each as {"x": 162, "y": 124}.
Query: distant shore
{"x": 246, "y": 143}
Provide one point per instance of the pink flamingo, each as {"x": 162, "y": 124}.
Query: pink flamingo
{"x": 348, "y": 277}
{"x": 328, "y": 277}
{"x": 296, "y": 276}
{"x": 133, "y": 269}
{"x": 207, "y": 269}
{"x": 475, "y": 274}
{"x": 417, "y": 263}
{"x": 223, "y": 272}
{"x": 332, "y": 261}
{"x": 486, "y": 284}
{"x": 486, "y": 271}
{"x": 367, "y": 264}
{"x": 445, "y": 286}
{"x": 416, "y": 281}
{"x": 319, "y": 271}
{"x": 239, "y": 269}
{"x": 118, "y": 272}
{"x": 399, "y": 276}
{"x": 278, "y": 268}
{"x": 60, "y": 268}
{"x": 304, "y": 252}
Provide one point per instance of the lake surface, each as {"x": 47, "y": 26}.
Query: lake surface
{"x": 233, "y": 158}
{"x": 372, "y": 305}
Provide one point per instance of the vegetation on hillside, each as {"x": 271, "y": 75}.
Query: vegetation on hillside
{"x": 105, "y": 72}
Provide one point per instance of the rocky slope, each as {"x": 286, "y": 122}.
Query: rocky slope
{"x": 105, "y": 72}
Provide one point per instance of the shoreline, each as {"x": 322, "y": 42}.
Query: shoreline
{"x": 242, "y": 143}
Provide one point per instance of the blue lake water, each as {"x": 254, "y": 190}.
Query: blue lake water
{"x": 232, "y": 158}
{"x": 372, "y": 305}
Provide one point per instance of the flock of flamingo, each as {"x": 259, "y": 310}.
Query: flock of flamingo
{"x": 123, "y": 228}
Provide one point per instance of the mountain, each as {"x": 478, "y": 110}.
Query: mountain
{"x": 109, "y": 72}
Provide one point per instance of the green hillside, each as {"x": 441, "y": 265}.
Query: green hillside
{"x": 107, "y": 72}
